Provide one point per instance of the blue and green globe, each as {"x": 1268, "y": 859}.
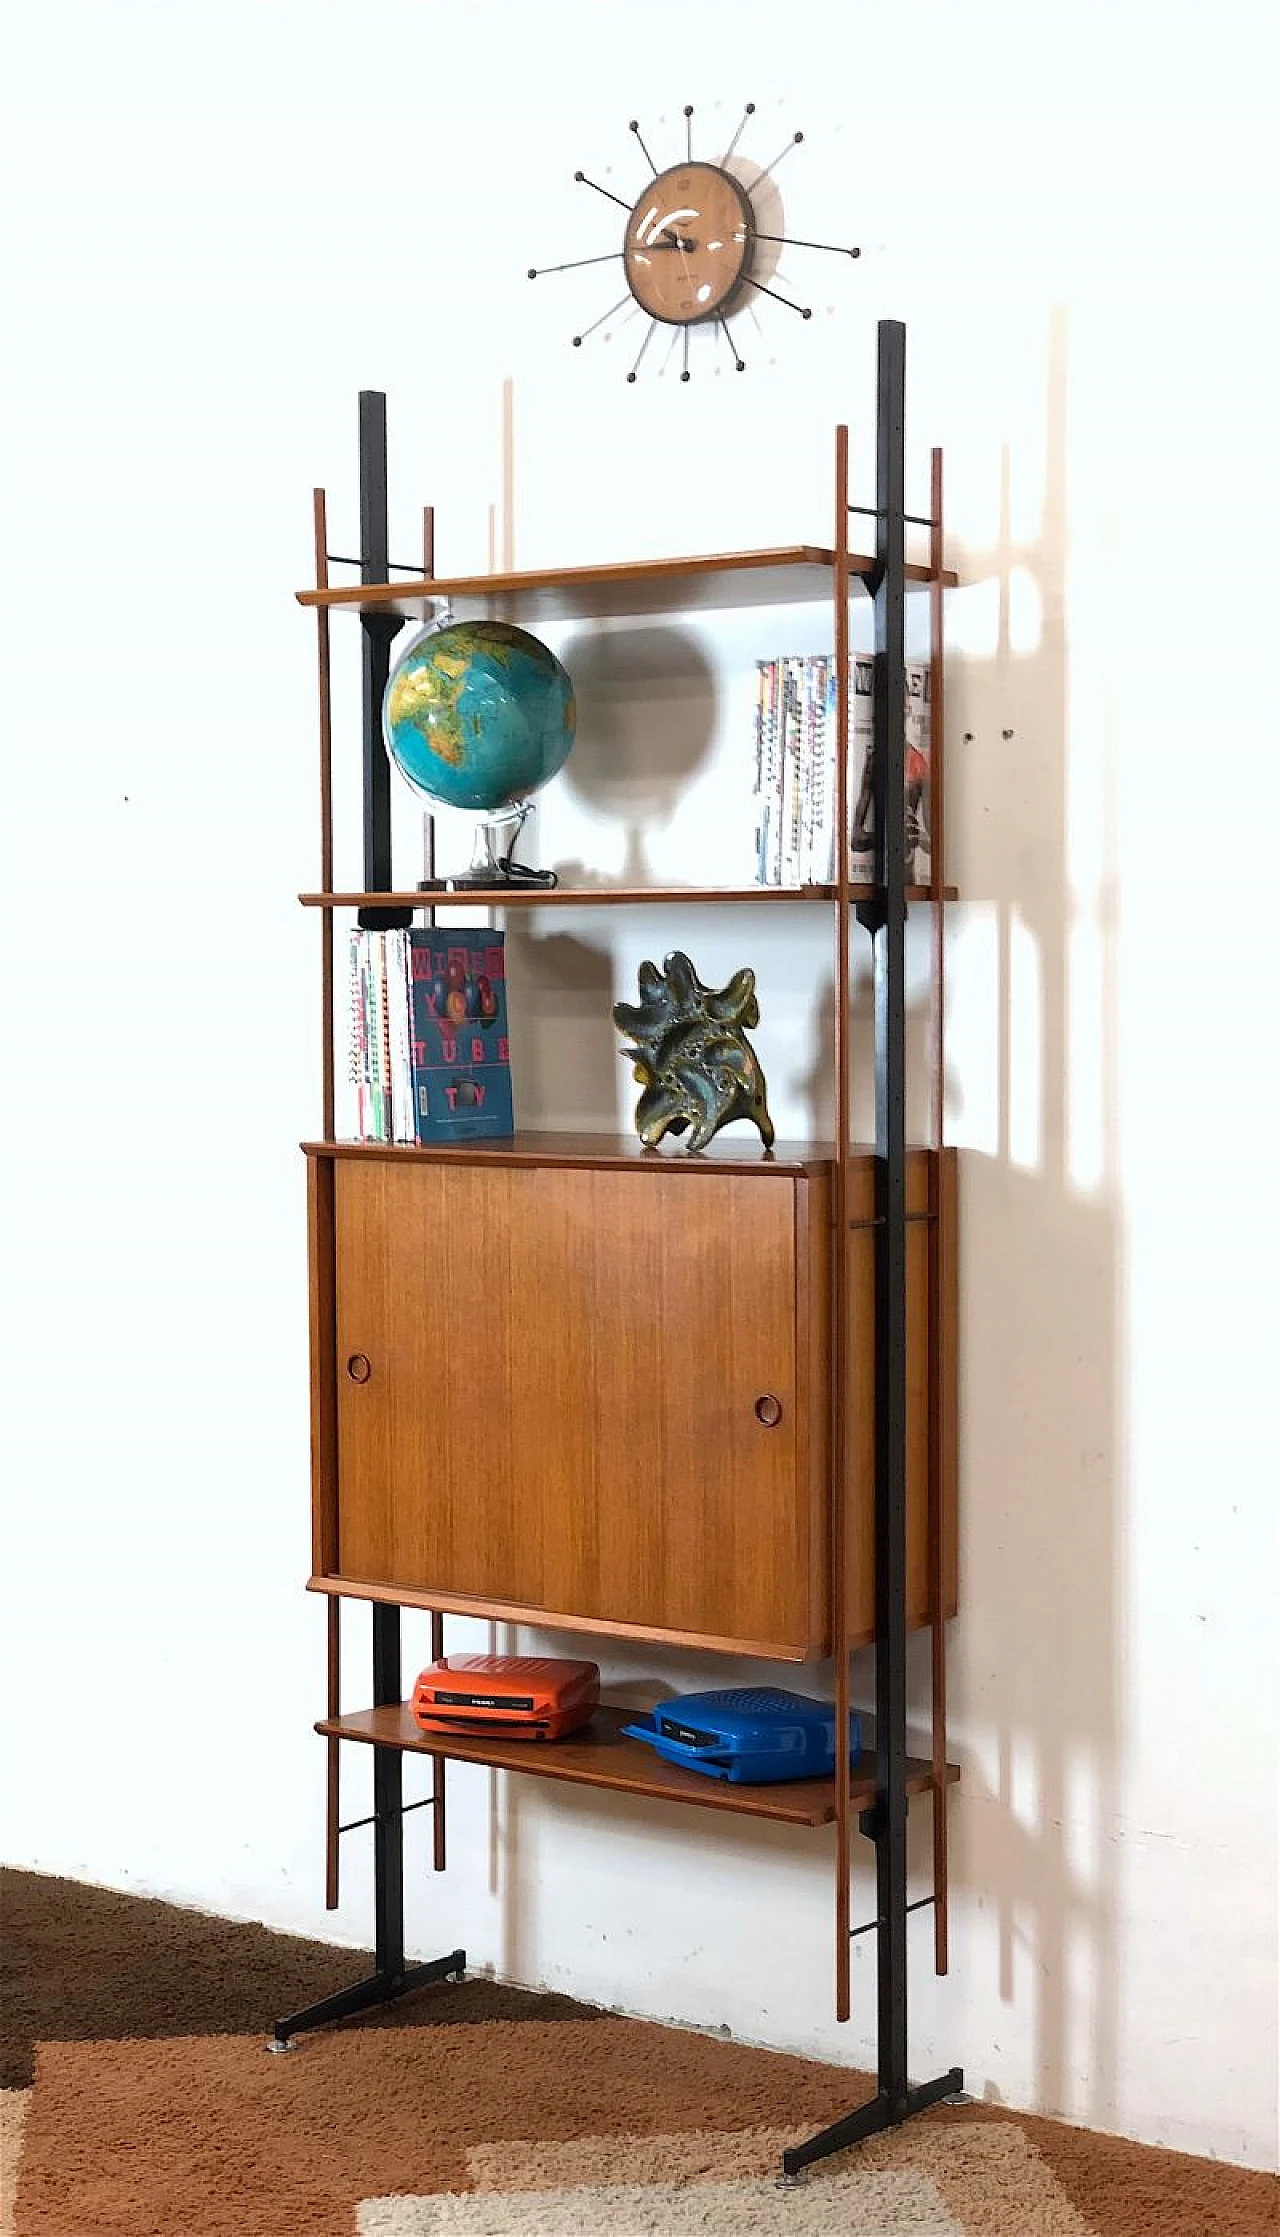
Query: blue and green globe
{"x": 478, "y": 714}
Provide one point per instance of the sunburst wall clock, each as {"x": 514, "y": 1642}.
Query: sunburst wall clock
{"x": 692, "y": 248}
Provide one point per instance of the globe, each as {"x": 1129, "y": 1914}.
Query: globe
{"x": 478, "y": 714}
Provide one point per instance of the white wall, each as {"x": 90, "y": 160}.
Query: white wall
{"x": 224, "y": 220}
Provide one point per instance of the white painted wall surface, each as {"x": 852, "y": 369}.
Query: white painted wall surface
{"x": 225, "y": 220}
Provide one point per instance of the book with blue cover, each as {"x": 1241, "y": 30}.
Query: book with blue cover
{"x": 458, "y": 1031}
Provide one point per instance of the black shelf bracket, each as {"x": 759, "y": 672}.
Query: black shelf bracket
{"x": 885, "y": 917}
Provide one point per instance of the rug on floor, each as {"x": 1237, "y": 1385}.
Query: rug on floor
{"x": 547, "y": 2129}
{"x": 443, "y": 2122}
{"x": 80, "y": 1963}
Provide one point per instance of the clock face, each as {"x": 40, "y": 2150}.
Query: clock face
{"x": 688, "y": 244}
{"x": 688, "y": 251}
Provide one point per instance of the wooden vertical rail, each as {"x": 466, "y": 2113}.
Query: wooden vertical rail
{"x": 332, "y": 1797}
{"x": 840, "y": 1267}
{"x": 438, "y": 1858}
{"x": 941, "y": 1238}
{"x": 437, "y": 1761}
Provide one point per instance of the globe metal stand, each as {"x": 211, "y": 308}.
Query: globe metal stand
{"x": 491, "y": 871}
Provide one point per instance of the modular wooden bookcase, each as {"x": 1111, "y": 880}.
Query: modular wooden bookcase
{"x": 730, "y": 1424}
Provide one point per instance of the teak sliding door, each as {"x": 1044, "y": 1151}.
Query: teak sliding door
{"x": 582, "y": 1390}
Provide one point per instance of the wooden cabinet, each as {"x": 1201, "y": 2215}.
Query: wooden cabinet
{"x": 598, "y": 1392}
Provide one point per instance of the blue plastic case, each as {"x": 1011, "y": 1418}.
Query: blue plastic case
{"x": 750, "y": 1735}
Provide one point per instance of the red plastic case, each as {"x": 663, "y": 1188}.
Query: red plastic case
{"x": 532, "y": 1697}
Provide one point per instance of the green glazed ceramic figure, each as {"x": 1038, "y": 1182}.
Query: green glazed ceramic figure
{"x": 691, "y": 1055}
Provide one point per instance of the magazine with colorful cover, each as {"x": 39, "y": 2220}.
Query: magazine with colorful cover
{"x": 862, "y": 837}
{"x": 460, "y": 1050}
{"x": 794, "y": 771}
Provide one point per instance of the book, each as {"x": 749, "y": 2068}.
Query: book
{"x": 398, "y": 1010}
{"x": 461, "y": 1059}
{"x": 794, "y": 790}
{"x": 915, "y": 748}
{"x": 358, "y": 1041}
{"x": 862, "y": 719}
{"x": 919, "y": 796}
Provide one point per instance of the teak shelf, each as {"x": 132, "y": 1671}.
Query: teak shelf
{"x": 787, "y": 575}
{"x": 726, "y": 1154}
{"x": 731, "y": 1423}
{"x": 602, "y": 897}
{"x": 599, "y": 1756}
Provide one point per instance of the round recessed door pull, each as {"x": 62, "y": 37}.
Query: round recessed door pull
{"x": 769, "y": 1411}
{"x": 359, "y": 1368}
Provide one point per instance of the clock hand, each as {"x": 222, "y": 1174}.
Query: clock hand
{"x": 688, "y": 276}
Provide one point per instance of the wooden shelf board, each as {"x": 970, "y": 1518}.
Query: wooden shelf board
{"x": 541, "y": 1618}
{"x": 605, "y": 897}
{"x": 782, "y": 575}
{"x": 598, "y": 1756}
{"x": 529, "y": 1146}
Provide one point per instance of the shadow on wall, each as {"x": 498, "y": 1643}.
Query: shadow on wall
{"x": 636, "y": 783}
{"x": 615, "y": 671}
{"x": 1036, "y": 1657}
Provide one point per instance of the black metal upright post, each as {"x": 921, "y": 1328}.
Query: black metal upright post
{"x": 885, "y": 917}
{"x": 391, "y": 1977}
{"x": 388, "y": 1805}
{"x": 378, "y": 633}
{"x": 891, "y": 1220}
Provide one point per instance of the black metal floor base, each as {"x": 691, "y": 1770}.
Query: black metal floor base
{"x": 380, "y": 1988}
{"x": 871, "y": 2119}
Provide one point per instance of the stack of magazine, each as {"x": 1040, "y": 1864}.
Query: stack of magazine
{"x": 427, "y": 1046}
{"x": 795, "y": 829}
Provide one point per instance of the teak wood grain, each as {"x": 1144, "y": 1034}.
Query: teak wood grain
{"x": 781, "y": 575}
{"x": 740, "y": 1153}
{"x": 560, "y": 1403}
{"x": 482, "y": 1610}
{"x": 558, "y": 1423}
{"x": 599, "y": 1756}
{"x": 324, "y": 1405}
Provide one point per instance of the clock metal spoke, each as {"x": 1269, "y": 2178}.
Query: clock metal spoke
{"x": 540, "y": 271}
{"x": 738, "y": 365}
{"x": 793, "y": 142}
{"x": 653, "y": 328}
{"x": 635, "y": 127}
{"x": 579, "y": 339}
{"x": 763, "y": 290}
{"x": 790, "y": 241}
{"x": 749, "y": 111}
{"x": 689, "y": 249}
{"x": 674, "y": 332}
{"x": 582, "y": 180}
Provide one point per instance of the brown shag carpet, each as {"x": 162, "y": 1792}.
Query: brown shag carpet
{"x": 481, "y": 2111}
{"x": 83, "y": 1964}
